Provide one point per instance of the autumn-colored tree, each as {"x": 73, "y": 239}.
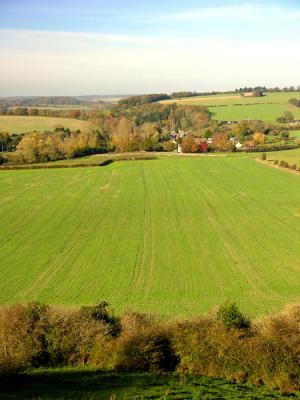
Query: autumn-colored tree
{"x": 123, "y": 137}
{"x": 220, "y": 142}
{"x": 32, "y": 111}
{"x": 240, "y": 130}
{"x": 188, "y": 144}
{"x": 259, "y": 137}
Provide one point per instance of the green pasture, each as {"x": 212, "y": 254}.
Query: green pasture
{"x": 235, "y": 107}
{"x": 295, "y": 134}
{"x": 262, "y": 112}
{"x": 291, "y": 156}
{"x": 24, "y": 124}
{"x": 174, "y": 236}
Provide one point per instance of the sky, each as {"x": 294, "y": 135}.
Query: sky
{"x": 72, "y": 47}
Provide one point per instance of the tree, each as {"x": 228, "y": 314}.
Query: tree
{"x": 33, "y": 111}
{"x": 232, "y": 317}
{"x": 241, "y": 130}
{"x": 123, "y": 136}
{"x": 4, "y": 139}
{"x": 259, "y": 137}
{"x": 220, "y": 142}
{"x": 188, "y": 144}
{"x": 288, "y": 116}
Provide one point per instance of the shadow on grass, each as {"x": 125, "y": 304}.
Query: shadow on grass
{"x": 92, "y": 384}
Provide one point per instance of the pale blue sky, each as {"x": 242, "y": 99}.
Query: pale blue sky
{"x": 109, "y": 47}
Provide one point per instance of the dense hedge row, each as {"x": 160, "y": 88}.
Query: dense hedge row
{"x": 74, "y": 165}
{"x": 225, "y": 344}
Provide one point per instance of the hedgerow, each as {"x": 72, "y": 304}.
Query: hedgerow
{"x": 226, "y": 344}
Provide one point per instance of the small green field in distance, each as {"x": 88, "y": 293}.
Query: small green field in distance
{"x": 290, "y": 156}
{"x": 24, "y": 124}
{"x": 173, "y": 236}
{"x": 235, "y": 107}
{"x": 91, "y": 384}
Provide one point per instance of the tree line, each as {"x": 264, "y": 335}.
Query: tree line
{"x": 226, "y": 343}
{"x": 295, "y": 102}
{"x": 38, "y": 101}
{"x": 145, "y": 128}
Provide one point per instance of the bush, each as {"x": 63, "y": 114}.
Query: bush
{"x": 3, "y": 160}
{"x": 14, "y": 355}
{"x": 294, "y": 167}
{"x": 284, "y": 164}
{"x": 101, "y": 313}
{"x": 264, "y": 156}
{"x": 275, "y": 162}
{"x": 148, "y": 350}
{"x": 231, "y": 316}
{"x": 73, "y": 338}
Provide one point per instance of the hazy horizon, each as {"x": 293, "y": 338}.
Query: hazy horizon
{"x": 67, "y": 48}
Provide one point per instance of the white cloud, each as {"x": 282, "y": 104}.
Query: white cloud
{"x": 41, "y": 62}
{"x": 245, "y": 11}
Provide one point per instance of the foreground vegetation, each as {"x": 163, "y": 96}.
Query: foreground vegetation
{"x": 173, "y": 236}
{"x": 89, "y": 383}
{"x": 226, "y": 344}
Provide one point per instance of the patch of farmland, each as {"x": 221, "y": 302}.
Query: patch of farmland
{"x": 24, "y": 124}
{"x": 290, "y": 156}
{"x": 235, "y": 107}
{"x": 262, "y": 112}
{"x": 175, "y": 236}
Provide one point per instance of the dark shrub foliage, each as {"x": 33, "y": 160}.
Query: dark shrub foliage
{"x": 149, "y": 350}
{"x": 231, "y": 316}
{"x": 101, "y": 313}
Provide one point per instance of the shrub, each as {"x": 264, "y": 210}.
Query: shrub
{"x": 73, "y": 338}
{"x": 275, "y": 162}
{"x": 294, "y": 167}
{"x": 264, "y": 156}
{"x": 100, "y": 312}
{"x": 3, "y": 160}
{"x": 14, "y": 355}
{"x": 148, "y": 350}
{"x": 231, "y": 316}
{"x": 284, "y": 164}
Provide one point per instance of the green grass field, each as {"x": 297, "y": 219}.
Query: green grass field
{"x": 90, "y": 384}
{"x": 175, "y": 236}
{"x": 295, "y": 134}
{"x": 235, "y": 107}
{"x": 23, "y": 124}
{"x": 291, "y": 156}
